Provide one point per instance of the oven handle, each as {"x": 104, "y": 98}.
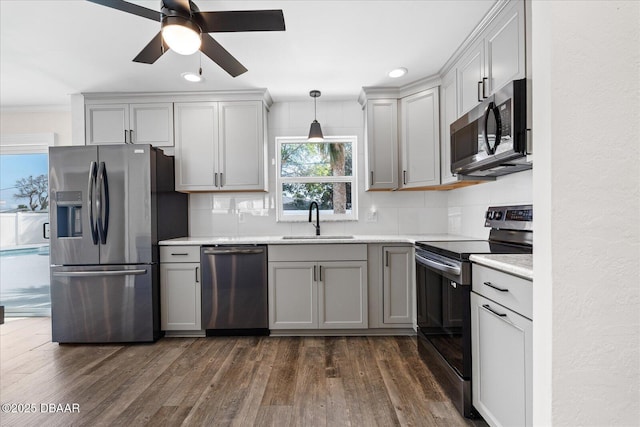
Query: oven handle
{"x": 438, "y": 266}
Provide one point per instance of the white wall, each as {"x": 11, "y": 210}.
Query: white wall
{"x": 468, "y": 205}
{"x": 58, "y": 121}
{"x": 241, "y": 214}
{"x": 586, "y": 188}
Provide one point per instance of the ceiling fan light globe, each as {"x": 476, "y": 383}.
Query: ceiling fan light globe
{"x": 181, "y": 39}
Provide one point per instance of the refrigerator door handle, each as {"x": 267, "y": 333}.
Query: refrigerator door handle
{"x": 103, "y": 204}
{"x": 90, "y": 200}
{"x": 95, "y": 273}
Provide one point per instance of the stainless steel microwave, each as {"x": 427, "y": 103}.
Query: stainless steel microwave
{"x": 491, "y": 139}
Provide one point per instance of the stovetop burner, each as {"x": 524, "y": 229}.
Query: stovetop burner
{"x": 461, "y": 249}
{"x": 511, "y": 233}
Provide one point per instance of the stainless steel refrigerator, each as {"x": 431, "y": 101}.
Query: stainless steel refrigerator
{"x": 109, "y": 207}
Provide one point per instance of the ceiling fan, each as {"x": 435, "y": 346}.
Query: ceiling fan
{"x": 184, "y": 29}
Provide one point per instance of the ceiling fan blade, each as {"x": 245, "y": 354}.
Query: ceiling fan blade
{"x": 130, "y": 8}
{"x": 220, "y": 56}
{"x": 240, "y": 20}
{"x": 152, "y": 51}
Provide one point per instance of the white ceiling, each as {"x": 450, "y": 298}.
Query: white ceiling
{"x": 51, "y": 49}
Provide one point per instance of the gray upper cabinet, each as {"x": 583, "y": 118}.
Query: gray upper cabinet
{"x": 420, "y": 139}
{"x": 494, "y": 59}
{"x": 220, "y": 146}
{"x": 505, "y": 47}
{"x": 129, "y": 123}
{"x": 470, "y": 72}
{"x": 448, "y": 114}
{"x": 381, "y": 127}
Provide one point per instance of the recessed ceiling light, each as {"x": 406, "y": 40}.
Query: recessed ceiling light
{"x": 398, "y": 72}
{"x": 192, "y": 77}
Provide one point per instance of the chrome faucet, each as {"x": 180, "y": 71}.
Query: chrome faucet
{"x": 317, "y": 224}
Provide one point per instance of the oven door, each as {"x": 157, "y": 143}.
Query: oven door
{"x": 443, "y": 309}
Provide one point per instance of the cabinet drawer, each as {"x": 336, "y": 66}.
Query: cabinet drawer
{"x": 179, "y": 253}
{"x": 510, "y": 291}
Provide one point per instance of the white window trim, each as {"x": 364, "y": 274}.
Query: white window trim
{"x": 353, "y": 216}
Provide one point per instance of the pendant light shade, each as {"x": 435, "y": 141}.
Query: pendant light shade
{"x": 315, "y": 132}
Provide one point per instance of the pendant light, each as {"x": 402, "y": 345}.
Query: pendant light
{"x": 315, "y": 132}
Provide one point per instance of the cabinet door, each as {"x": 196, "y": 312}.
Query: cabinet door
{"x": 470, "y": 71}
{"x": 501, "y": 343}
{"x": 397, "y": 289}
{"x": 293, "y": 298}
{"x": 180, "y": 296}
{"x": 448, "y": 114}
{"x": 196, "y": 139}
{"x": 420, "y": 137}
{"x": 152, "y": 124}
{"x": 106, "y": 124}
{"x": 382, "y": 144}
{"x": 242, "y": 146}
{"x": 342, "y": 295}
{"x": 505, "y": 47}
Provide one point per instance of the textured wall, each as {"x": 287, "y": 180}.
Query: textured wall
{"x": 586, "y": 267}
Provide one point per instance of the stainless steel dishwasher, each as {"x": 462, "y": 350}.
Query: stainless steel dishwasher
{"x": 234, "y": 290}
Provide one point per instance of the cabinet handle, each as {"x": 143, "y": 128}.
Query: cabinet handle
{"x": 371, "y": 181}
{"x": 221, "y": 179}
{"x": 125, "y": 136}
{"x": 386, "y": 259}
{"x": 215, "y": 179}
{"x": 131, "y": 136}
{"x": 179, "y": 254}
{"x": 486, "y": 307}
{"x": 197, "y": 279}
{"x": 491, "y": 285}
{"x": 404, "y": 177}
{"x": 480, "y": 91}
{"x": 314, "y": 274}
{"x": 320, "y": 269}
{"x": 485, "y": 80}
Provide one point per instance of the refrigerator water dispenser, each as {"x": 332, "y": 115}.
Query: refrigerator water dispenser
{"x": 69, "y": 212}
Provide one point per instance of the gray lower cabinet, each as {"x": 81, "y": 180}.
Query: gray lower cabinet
{"x": 318, "y": 287}
{"x": 501, "y": 342}
{"x": 180, "y": 297}
{"x": 397, "y": 285}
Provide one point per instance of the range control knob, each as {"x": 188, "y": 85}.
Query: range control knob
{"x": 497, "y": 215}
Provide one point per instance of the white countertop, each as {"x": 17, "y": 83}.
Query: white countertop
{"x": 279, "y": 240}
{"x": 518, "y": 264}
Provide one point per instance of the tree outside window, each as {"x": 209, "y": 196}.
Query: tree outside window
{"x": 321, "y": 172}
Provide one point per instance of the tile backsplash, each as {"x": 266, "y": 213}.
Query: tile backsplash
{"x": 414, "y": 212}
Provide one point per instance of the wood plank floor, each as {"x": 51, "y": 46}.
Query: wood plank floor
{"x": 241, "y": 381}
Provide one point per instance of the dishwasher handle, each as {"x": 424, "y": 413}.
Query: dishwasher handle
{"x": 232, "y": 251}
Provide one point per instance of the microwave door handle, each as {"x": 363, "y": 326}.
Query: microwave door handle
{"x": 492, "y": 109}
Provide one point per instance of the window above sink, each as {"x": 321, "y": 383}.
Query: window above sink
{"x": 324, "y": 172}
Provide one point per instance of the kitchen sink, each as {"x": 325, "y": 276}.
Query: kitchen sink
{"x": 307, "y": 237}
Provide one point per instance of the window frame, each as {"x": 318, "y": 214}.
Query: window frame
{"x": 36, "y": 143}
{"x": 353, "y": 179}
